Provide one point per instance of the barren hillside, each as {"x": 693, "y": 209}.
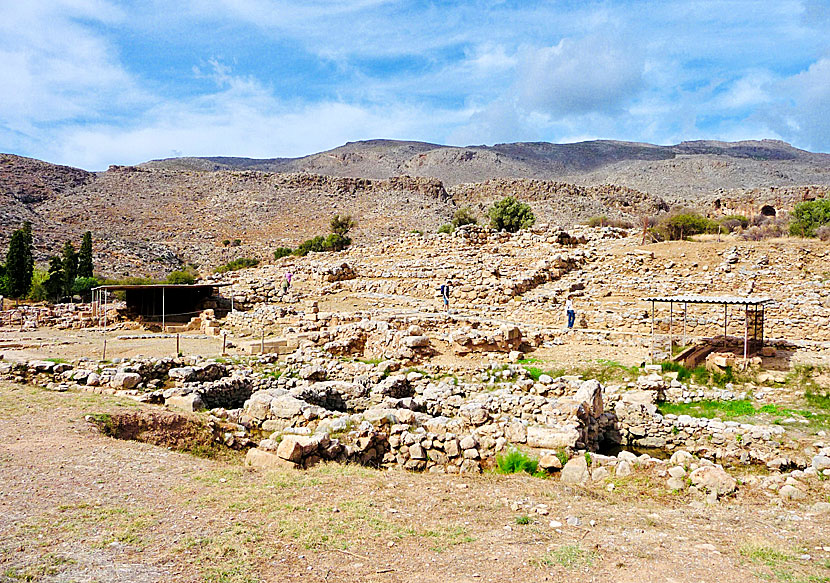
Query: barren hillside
{"x": 684, "y": 170}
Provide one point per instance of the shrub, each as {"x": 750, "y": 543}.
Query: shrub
{"x": 226, "y": 242}
{"x": 182, "y": 277}
{"x": 603, "y": 221}
{"x": 82, "y": 285}
{"x": 733, "y": 222}
{"x": 809, "y": 216}
{"x": 39, "y": 291}
{"x": 511, "y": 215}
{"x": 342, "y": 224}
{"x": 514, "y": 462}
{"x": 281, "y": 252}
{"x": 236, "y": 243}
{"x": 682, "y": 225}
{"x": 446, "y": 228}
{"x": 336, "y": 242}
{"x": 463, "y": 216}
{"x": 236, "y": 264}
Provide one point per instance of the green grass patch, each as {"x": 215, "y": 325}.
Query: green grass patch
{"x": 568, "y": 556}
{"x": 700, "y": 374}
{"x": 764, "y": 555}
{"x": 523, "y": 520}
{"x": 744, "y": 409}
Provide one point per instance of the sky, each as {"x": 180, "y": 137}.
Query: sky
{"x": 90, "y": 83}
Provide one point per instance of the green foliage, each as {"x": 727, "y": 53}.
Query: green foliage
{"x": 808, "y": 216}
{"x": 53, "y": 286}
{"x": 342, "y": 224}
{"x": 446, "y": 228}
{"x": 681, "y": 225}
{"x": 514, "y": 462}
{"x": 85, "y": 256}
{"x": 563, "y": 457}
{"x": 240, "y": 263}
{"x": 463, "y": 216}
{"x": 182, "y": 277}
{"x": 19, "y": 263}
{"x": 523, "y": 520}
{"x": 236, "y": 243}
{"x": 226, "y": 242}
{"x": 511, "y": 215}
{"x": 319, "y": 244}
{"x": 70, "y": 267}
{"x": 83, "y": 285}
{"x": 281, "y": 252}
{"x": 38, "y": 292}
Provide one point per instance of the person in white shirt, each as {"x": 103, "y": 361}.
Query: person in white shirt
{"x": 569, "y": 309}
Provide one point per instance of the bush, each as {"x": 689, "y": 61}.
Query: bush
{"x": 682, "y": 225}
{"x": 463, "y": 216}
{"x": 82, "y": 285}
{"x": 39, "y": 291}
{"x": 342, "y": 224}
{"x": 236, "y": 264}
{"x": 281, "y": 252}
{"x": 511, "y": 215}
{"x": 181, "y": 278}
{"x": 733, "y": 222}
{"x": 446, "y": 228}
{"x": 514, "y": 462}
{"x": 236, "y": 243}
{"x": 809, "y": 216}
{"x": 336, "y": 242}
{"x": 603, "y": 221}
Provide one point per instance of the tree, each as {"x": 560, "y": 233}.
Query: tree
{"x": 54, "y": 283}
{"x": 19, "y": 263}
{"x": 807, "y": 217}
{"x": 342, "y": 224}
{"x": 70, "y": 267}
{"x": 511, "y": 215}
{"x": 85, "y": 256}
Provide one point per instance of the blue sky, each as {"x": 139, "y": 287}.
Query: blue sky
{"x": 96, "y": 82}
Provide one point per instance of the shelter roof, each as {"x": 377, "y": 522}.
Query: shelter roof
{"x": 117, "y": 287}
{"x": 698, "y": 299}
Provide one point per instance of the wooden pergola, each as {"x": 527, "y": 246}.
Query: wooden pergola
{"x": 753, "y": 311}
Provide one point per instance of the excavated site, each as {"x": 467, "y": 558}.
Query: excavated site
{"x": 351, "y": 426}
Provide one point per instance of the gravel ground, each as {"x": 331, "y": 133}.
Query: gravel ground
{"x": 78, "y": 506}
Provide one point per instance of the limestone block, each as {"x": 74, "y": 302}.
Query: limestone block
{"x": 189, "y": 402}
{"x": 575, "y": 471}
{"x": 552, "y": 438}
{"x": 263, "y": 459}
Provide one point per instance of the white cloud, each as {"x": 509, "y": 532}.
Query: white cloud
{"x": 580, "y": 76}
{"x": 243, "y": 118}
{"x": 54, "y": 69}
{"x": 801, "y": 114}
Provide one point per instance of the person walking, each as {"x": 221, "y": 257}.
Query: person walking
{"x": 287, "y": 283}
{"x": 445, "y": 294}
{"x": 569, "y": 309}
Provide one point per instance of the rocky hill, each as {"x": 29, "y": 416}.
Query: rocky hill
{"x": 688, "y": 169}
{"x": 153, "y": 218}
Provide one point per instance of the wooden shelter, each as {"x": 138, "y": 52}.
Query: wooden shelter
{"x": 160, "y": 302}
{"x": 753, "y": 312}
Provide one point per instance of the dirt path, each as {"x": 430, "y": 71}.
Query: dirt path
{"x": 78, "y": 506}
